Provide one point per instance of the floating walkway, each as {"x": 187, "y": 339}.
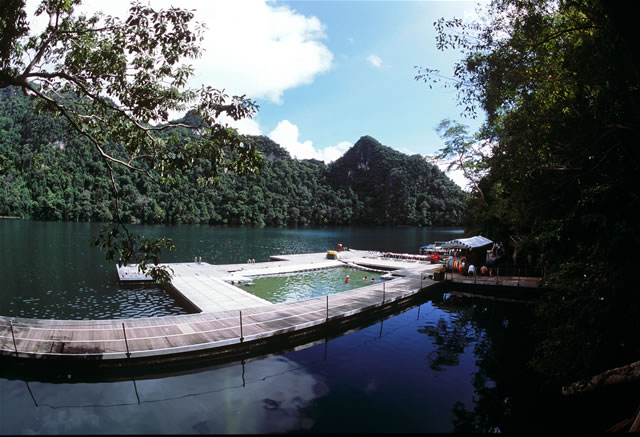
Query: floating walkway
{"x": 211, "y": 288}
{"x": 232, "y": 323}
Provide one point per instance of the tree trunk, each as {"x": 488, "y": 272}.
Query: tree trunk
{"x": 620, "y": 375}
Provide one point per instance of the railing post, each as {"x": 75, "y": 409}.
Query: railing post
{"x": 327, "y": 307}
{"x": 497, "y": 274}
{"x": 125, "y": 340}
{"x": 14, "y": 337}
{"x": 383, "y": 292}
{"x": 241, "y": 333}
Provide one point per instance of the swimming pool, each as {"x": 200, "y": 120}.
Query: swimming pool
{"x": 306, "y": 285}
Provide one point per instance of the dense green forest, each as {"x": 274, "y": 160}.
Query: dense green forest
{"x": 560, "y": 85}
{"x": 50, "y": 173}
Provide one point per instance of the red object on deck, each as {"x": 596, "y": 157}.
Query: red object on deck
{"x": 339, "y": 247}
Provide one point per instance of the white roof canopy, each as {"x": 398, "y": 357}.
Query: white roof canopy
{"x": 467, "y": 243}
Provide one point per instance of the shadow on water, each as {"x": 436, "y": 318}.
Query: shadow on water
{"x": 449, "y": 363}
{"x": 508, "y": 395}
{"x": 506, "y": 391}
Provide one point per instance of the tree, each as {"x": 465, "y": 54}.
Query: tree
{"x": 559, "y": 84}
{"x": 462, "y": 152}
{"x": 118, "y": 82}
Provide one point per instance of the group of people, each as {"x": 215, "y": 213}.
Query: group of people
{"x": 468, "y": 269}
{"x": 346, "y": 280}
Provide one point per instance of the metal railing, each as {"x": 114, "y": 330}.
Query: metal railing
{"x": 500, "y": 274}
{"x": 122, "y": 341}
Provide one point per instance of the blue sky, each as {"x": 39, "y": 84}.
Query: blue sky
{"x": 325, "y": 73}
{"x": 370, "y": 87}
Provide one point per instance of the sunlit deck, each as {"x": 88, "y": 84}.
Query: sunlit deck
{"x": 240, "y": 323}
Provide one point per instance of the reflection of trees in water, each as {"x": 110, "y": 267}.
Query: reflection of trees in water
{"x": 450, "y": 339}
{"x": 504, "y": 387}
{"x": 268, "y": 395}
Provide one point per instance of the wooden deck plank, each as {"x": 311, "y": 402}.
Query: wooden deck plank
{"x": 174, "y": 334}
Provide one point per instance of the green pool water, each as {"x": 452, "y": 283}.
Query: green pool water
{"x": 305, "y": 285}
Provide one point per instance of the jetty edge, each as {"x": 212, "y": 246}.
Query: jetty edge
{"x": 241, "y": 327}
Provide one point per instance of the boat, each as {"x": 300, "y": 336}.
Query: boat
{"x": 434, "y": 251}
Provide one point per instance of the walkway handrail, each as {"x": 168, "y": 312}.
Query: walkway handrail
{"x": 308, "y": 302}
{"x": 524, "y": 270}
{"x": 125, "y": 341}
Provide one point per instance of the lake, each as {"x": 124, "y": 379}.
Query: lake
{"x": 446, "y": 364}
{"x": 50, "y": 271}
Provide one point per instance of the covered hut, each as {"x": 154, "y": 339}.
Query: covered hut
{"x": 474, "y": 247}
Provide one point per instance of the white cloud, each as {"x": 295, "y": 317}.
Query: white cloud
{"x": 245, "y": 126}
{"x": 287, "y": 135}
{"x": 457, "y": 176}
{"x": 251, "y": 47}
{"x": 375, "y": 60}
{"x": 332, "y": 153}
{"x": 257, "y": 49}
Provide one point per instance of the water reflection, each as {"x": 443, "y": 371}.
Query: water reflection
{"x": 450, "y": 339}
{"x": 50, "y": 270}
{"x": 505, "y": 390}
{"x": 370, "y": 380}
{"x": 267, "y": 395}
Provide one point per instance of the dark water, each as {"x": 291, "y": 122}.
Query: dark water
{"x": 447, "y": 364}
{"x": 48, "y": 269}
{"x": 444, "y": 365}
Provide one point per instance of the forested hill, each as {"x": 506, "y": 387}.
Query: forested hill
{"x": 396, "y": 188}
{"x": 49, "y": 172}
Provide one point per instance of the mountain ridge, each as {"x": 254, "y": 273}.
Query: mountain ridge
{"x": 49, "y": 172}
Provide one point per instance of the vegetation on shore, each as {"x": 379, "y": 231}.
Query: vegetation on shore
{"x": 49, "y": 173}
{"x": 558, "y": 176}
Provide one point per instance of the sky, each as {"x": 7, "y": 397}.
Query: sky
{"x": 325, "y": 73}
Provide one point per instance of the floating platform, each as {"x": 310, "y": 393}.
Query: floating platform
{"x": 232, "y": 323}
{"x": 211, "y": 288}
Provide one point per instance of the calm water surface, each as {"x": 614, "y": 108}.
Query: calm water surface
{"x": 48, "y": 269}
{"x": 447, "y": 364}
